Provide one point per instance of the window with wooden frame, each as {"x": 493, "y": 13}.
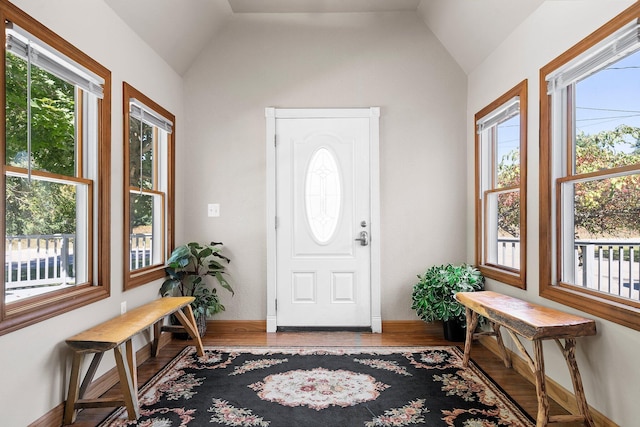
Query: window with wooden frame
{"x": 56, "y": 174}
{"x": 590, "y": 173}
{"x": 501, "y": 182}
{"x": 149, "y": 187}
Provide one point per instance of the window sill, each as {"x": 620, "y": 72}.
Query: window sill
{"x": 515, "y": 279}
{"x": 603, "y": 308}
{"x": 24, "y": 314}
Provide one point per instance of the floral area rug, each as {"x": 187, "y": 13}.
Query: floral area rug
{"x": 285, "y": 387}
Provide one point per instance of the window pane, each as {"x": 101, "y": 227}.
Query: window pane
{"x": 144, "y": 229}
{"x": 141, "y": 154}
{"x": 16, "y": 111}
{"x": 608, "y": 126}
{"x": 52, "y": 119}
{"x": 607, "y": 235}
{"x": 41, "y": 220}
{"x": 503, "y": 215}
{"x": 508, "y": 152}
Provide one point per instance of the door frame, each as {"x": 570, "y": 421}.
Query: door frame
{"x": 373, "y": 114}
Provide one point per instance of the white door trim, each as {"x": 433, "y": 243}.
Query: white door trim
{"x": 373, "y": 114}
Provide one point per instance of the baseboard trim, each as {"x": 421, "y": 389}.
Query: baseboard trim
{"x": 235, "y": 326}
{"x": 98, "y": 387}
{"x": 558, "y": 393}
{"x": 324, "y": 329}
{"x": 230, "y": 326}
{"x": 406, "y": 326}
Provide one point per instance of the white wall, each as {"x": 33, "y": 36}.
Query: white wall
{"x": 608, "y": 361}
{"x": 350, "y": 60}
{"x": 34, "y": 361}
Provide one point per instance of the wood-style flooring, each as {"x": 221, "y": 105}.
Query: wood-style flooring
{"x": 427, "y": 335}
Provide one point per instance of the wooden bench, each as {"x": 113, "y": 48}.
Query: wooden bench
{"x": 535, "y": 323}
{"x": 114, "y": 334}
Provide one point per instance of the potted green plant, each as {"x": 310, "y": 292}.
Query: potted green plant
{"x": 433, "y": 296}
{"x": 187, "y": 269}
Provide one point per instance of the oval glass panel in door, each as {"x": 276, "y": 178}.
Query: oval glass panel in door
{"x": 323, "y": 195}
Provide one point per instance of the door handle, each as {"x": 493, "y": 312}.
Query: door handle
{"x": 363, "y": 239}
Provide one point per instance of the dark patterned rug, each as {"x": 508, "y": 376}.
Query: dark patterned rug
{"x": 369, "y": 387}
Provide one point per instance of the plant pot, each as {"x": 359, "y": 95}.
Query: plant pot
{"x": 201, "y": 323}
{"x": 454, "y": 330}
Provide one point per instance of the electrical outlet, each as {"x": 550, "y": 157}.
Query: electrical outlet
{"x": 123, "y": 307}
{"x": 213, "y": 209}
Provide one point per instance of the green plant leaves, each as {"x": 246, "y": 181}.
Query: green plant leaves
{"x": 433, "y": 295}
{"x": 187, "y": 268}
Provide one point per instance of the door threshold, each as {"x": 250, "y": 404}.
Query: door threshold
{"x": 324, "y": 329}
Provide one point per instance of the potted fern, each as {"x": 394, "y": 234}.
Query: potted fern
{"x": 187, "y": 269}
{"x": 433, "y": 296}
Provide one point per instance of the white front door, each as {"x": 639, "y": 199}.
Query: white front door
{"x": 323, "y": 221}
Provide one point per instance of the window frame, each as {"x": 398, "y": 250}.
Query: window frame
{"x": 504, "y": 274}
{"x": 139, "y": 277}
{"x": 550, "y": 246}
{"x": 18, "y": 315}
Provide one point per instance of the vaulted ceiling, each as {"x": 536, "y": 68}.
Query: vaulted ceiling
{"x": 178, "y": 30}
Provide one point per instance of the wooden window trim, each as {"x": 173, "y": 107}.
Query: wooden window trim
{"x": 34, "y": 310}
{"x": 603, "y": 306}
{"x": 133, "y": 279}
{"x": 510, "y": 276}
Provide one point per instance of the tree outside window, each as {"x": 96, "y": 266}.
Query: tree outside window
{"x": 590, "y": 175}
{"x": 55, "y": 181}
{"x": 501, "y": 187}
{"x": 148, "y": 204}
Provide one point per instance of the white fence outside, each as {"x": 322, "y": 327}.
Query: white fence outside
{"x": 44, "y": 261}
{"x": 36, "y": 264}
{"x": 609, "y": 266}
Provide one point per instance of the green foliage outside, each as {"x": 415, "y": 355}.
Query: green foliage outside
{"x": 141, "y": 168}
{"x": 611, "y": 206}
{"x": 43, "y": 207}
{"x": 603, "y": 208}
{"x": 39, "y": 207}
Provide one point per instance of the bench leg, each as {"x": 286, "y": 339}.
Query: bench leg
{"x": 74, "y": 389}
{"x": 569, "y": 353}
{"x": 155, "y": 344}
{"x": 506, "y": 358}
{"x": 127, "y": 383}
{"x": 133, "y": 365}
{"x": 91, "y": 373}
{"x": 541, "y": 386}
{"x": 472, "y": 323}
{"x": 189, "y": 322}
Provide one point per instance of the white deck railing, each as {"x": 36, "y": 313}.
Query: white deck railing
{"x": 46, "y": 260}
{"x": 39, "y": 260}
{"x": 609, "y": 266}
{"x": 141, "y": 245}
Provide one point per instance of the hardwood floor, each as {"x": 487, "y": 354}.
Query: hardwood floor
{"x": 408, "y": 335}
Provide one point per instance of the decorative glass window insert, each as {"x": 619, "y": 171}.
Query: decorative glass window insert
{"x": 323, "y": 195}
{"x": 148, "y": 211}
{"x": 500, "y": 185}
